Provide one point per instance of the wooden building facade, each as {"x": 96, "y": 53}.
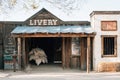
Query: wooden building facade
{"x": 72, "y": 44}
{"x": 46, "y": 31}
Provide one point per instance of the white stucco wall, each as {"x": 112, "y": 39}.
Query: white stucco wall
{"x": 96, "y": 24}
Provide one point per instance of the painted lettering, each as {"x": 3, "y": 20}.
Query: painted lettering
{"x": 35, "y": 22}
{"x": 38, "y": 22}
{"x": 54, "y": 22}
{"x": 50, "y": 22}
{"x": 31, "y": 23}
{"x": 45, "y": 22}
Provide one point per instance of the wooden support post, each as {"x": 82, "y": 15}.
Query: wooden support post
{"x": 69, "y": 51}
{"x": 19, "y": 52}
{"x": 23, "y": 55}
{"x": 83, "y": 58}
{"x": 63, "y": 53}
{"x": 81, "y": 52}
{"x": 88, "y": 54}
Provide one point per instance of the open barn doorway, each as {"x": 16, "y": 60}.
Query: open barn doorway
{"x": 51, "y": 48}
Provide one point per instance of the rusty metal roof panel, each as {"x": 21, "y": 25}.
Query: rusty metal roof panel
{"x": 52, "y": 29}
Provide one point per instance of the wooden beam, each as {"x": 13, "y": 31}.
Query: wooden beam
{"x": 19, "y": 52}
{"x": 63, "y": 52}
{"x": 23, "y": 55}
{"x": 54, "y": 35}
{"x": 88, "y": 54}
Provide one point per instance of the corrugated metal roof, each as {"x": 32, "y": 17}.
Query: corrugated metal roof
{"x": 52, "y": 29}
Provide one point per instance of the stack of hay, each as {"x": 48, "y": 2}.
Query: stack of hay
{"x": 38, "y": 55}
{"x": 108, "y": 67}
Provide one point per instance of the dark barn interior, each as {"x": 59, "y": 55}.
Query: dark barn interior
{"x": 51, "y": 47}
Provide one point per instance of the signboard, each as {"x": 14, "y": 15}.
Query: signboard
{"x": 75, "y": 46}
{"x": 44, "y": 22}
{"x": 109, "y": 25}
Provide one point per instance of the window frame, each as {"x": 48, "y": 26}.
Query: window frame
{"x": 109, "y": 29}
{"x": 115, "y": 45}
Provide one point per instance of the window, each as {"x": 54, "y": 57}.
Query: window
{"x": 109, "y": 46}
{"x": 108, "y": 25}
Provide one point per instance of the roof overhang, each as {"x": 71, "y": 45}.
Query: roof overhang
{"x": 53, "y": 31}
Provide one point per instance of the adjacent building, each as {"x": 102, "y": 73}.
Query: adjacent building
{"x": 106, "y": 42}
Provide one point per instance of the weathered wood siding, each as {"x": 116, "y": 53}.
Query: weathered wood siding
{"x": 83, "y": 57}
{"x": 43, "y": 15}
{"x": 67, "y": 52}
{"x": 8, "y": 39}
{"x": 1, "y": 47}
{"x": 9, "y": 45}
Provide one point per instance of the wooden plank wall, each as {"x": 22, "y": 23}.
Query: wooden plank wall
{"x": 83, "y": 59}
{"x": 7, "y": 28}
{"x": 63, "y": 52}
{"x": 1, "y": 48}
{"x": 9, "y": 43}
{"x": 23, "y": 53}
{"x": 44, "y": 14}
{"x": 1, "y": 34}
{"x": 67, "y": 54}
{"x": 91, "y": 53}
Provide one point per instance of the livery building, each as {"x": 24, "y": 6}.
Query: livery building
{"x": 44, "y": 39}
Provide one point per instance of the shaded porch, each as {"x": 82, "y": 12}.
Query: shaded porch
{"x": 66, "y": 34}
